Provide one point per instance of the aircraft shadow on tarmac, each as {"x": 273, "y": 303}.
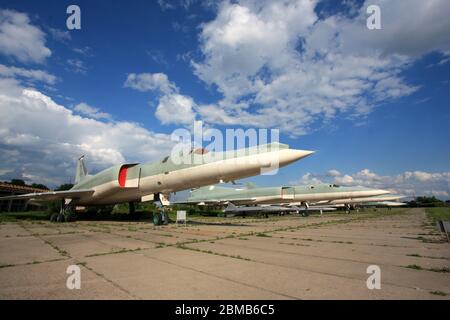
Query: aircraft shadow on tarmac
{"x": 205, "y": 223}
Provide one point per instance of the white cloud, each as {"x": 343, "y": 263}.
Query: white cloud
{"x": 173, "y": 107}
{"x": 176, "y": 108}
{"x": 20, "y": 39}
{"x": 165, "y": 5}
{"x": 444, "y": 60}
{"x": 41, "y": 140}
{"x": 333, "y": 173}
{"x": 428, "y": 177}
{"x": 29, "y": 74}
{"x": 171, "y": 4}
{"x": 409, "y": 183}
{"x": 292, "y": 69}
{"x": 307, "y": 178}
{"x": 244, "y": 38}
{"x": 60, "y": 35}
{"x": 345, "y": 180}
{"x": 276, "y": 64}
{"x": 439, "y": 194}
{"x": 85, "y": 51}
{"x": 91, "y": 112}
{"x": 180, "y": 27}
{"x": 150, "y": 82}
{"x": 158, "y": 57}
{"x": 411, "y": 30}
{"x": 77, "y": 66}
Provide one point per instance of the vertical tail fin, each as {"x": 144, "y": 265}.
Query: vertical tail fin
{"x": 81, "y": 170}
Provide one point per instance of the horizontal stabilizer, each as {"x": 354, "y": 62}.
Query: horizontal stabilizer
{"x": 51, "y": 195}
{"x": 231, "y": 206}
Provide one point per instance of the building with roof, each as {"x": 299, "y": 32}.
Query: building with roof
{"x": 8, "y": 189}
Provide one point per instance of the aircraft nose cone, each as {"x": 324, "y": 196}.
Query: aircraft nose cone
{"x": 294, "y": 155}
{"x": 378, "y": 192}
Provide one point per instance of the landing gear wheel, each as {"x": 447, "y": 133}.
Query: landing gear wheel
{"x": 131, "y": 208}
{"x": 65, "y": 213}
{"x": 70, "y": 217}
{"x": 161, "y": 216}
{"x": 157, "y": 218}
{"x": 164, "y": 218}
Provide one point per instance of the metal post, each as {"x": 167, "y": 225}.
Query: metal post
{"x": 10, "y": 202}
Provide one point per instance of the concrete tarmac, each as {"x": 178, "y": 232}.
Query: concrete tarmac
{"x": 292, "y": 257}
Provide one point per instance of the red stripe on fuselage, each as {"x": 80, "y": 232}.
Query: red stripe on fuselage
{"x": 122, "y": 176}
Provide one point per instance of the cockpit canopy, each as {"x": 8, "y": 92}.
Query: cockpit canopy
{"x": 198, "y": 151}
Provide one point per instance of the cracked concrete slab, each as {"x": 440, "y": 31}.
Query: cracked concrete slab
{"x": 291, "y": 257}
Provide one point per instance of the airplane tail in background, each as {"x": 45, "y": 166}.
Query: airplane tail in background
{"x": 231, "y": 206}
{"x": 81, "y": 170}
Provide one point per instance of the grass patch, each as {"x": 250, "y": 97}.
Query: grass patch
{"x": 443, "y": 269}
{"x": 428, "y": 257}
{"x": 414, "y": 266}
{"x": 438, "y": 213}
{"x": 423, "y": 239}
{"x": 295, "y": 244}
{"x": 29, "y": 215}
{"x": 29, "y": 263}
{"x": 438, "y": 293}
{"x": 263, "y": 235}
{"x": 113, "y": 252}
{"x": 417, "y": 267}
{"x": 213, "y": 253}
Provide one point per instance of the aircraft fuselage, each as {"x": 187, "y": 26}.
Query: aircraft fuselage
{"x": 136, "y": 182}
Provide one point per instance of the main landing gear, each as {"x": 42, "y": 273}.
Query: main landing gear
{"x": 65, "y": 213}
{"x": 160, "y": 217}
{"x": 131, "y": 208}
{"x": 347, "y": 208}
{"x": 305, "y": 212}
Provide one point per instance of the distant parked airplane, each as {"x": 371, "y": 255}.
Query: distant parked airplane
{"x": 386, "y": 200}
{"x": 286, "y": 196}
{"x": 266, "y": 209}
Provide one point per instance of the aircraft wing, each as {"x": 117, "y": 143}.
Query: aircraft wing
{"x": 270, "y": 208}
{"x": 51, "y": 195}
{"x": 385, "y": 203}
{"x": 317, "y": 208}
{"x": 215, "y": 202}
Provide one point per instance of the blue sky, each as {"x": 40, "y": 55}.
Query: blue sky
{"x": 374, "y": 104}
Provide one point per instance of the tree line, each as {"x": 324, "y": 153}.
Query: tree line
{"x": 422, "y": 201}
{"x": 20, "y": 182}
